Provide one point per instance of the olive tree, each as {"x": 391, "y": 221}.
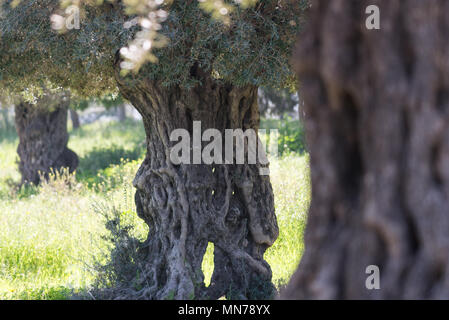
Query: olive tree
{"x": 378, "y": 133}
{"x": 207, "y": 71}
{"x": 41, "y": 126}
{"x": 43, "y": 137}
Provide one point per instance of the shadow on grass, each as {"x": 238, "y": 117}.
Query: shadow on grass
{"x": 99, "y": 159}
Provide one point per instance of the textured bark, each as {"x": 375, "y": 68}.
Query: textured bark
{"x": 75, "y": 119}
{"x": 43, "y": 138}
{"x": 377, "y": 105}
{"x": 187, "y": 206}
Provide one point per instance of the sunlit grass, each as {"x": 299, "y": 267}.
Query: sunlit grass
{"x": 45, "y": 241}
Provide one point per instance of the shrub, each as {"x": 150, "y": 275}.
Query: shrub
{"x": 291, "y": 138}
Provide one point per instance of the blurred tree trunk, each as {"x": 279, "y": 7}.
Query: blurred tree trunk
{"x": 75, "y": 119}
{"x": 4, "y": 113}
{"x": 301, "y": 111}
{"x": 187, "y": 206}
{"x": 377, "y": 105}
{"x": 43, "y": 137}
{"x": 121, "y": 113}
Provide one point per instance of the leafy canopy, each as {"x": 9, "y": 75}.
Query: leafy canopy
{"x": 252, "y": 47}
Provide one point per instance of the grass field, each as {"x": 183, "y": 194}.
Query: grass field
{"x": 50, "y": 236}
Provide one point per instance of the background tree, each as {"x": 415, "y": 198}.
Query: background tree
{"x": 75, "y": 118}
{"x": 43, "y": 137}
{"x": 5, "y": 122}
{"x": 378, "y": 132}
{"x": 209, "y": 71}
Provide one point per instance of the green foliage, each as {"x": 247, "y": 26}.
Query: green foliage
{"x": 51, "y": 240}
{"x": 253, "y": 49}
{"x": 81, "y": 104}
{"x": 108, "y": 100}
{"x": 291, "y": 138}
{"x": 34, "y": 55}
{"x": 120, "y": 263}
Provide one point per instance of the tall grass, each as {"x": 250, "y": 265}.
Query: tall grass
{"x": 50, "y": 236}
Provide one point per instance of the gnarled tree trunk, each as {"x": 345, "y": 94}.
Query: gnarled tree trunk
{"x": 43, "y": 137}
{"x": 188, "y": 206}
{"x": 377, "y": 105}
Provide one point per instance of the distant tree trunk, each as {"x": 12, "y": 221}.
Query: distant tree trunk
{"x": 43, "y": 138}
{"x": 75, "y": 119}
{"x": 263, "y": 102}
{"x": 187, "y": 206}
{"x": 377, "y": 105}
{"x": 301, "y": 111}
{"x": 4, "y": 112}
{"x": 121, "y": 113}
